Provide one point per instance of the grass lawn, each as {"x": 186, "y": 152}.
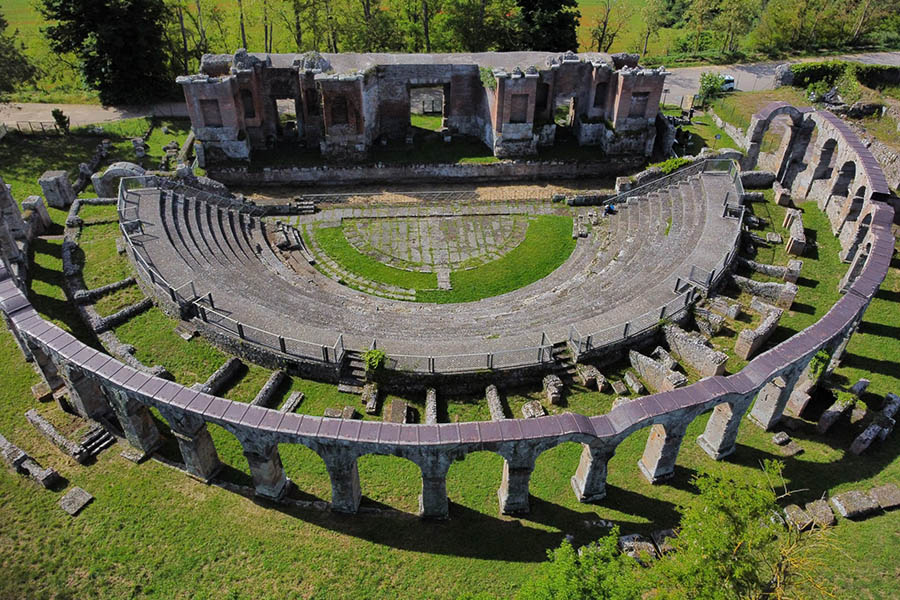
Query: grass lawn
{"x": 739, "y": 107}
{"x": 548, "y": 243}
{"x": 702, "y": 133}
{"x": 429, "y": 122}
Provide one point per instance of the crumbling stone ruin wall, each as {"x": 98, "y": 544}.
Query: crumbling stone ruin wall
{"x": 346, "y": 103}
{"x": 692, "y": 349}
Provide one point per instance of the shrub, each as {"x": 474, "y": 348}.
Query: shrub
{"x": 374, "y": 360}
{"x": 671, "y": 165}
{"x": 809, "y": 73}
{"x": 487, "y": 78}
{"x": 710, "y": 86}
{"x": 62, "y": 121}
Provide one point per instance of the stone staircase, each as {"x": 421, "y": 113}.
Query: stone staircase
{"x": 97, "y": 439}
{"x": 353, "y": 373}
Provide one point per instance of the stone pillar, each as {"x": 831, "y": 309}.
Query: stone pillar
{"x": 197, "y": 449}
{"x": 21, "y": 342}
{"x": 46, "y": 367}
{"x": 433, "y": 502}
{"x": 720, "y": 436}
{"x": 513, "y": 492}
{"x": 36, "y": 205}
{"x": 135, "y": 419}
{"x": 772, "y": 399}
{"x": 57, "y": 188}
{"x": 85, "y": 396}
{"x": 344, "y": 474}
{"x": 269, "y": 479}
{"x": 658, "y": 462}
{"x": 589, "y": 481}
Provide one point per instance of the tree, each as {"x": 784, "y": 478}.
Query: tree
{"x": 118, "y": 43}
{"x": 551, "y": 24}
{"x": 596, "y": 572}
{"x": 710, "y": 86}
{"x": 613, "y": 17}
{"x": 477, "y": 26}
{"x": 15, "y": 68}
{"x": 654, "y": 17}
{"x": 734, "y": 21}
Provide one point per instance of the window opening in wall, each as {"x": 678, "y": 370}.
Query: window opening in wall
{"x": 212, "y": 116}
{"x": 426, "y": 107}
{"x": 639, "y": 102}
{"x": 600, "y": 95}
{"x": 247, "y": 101}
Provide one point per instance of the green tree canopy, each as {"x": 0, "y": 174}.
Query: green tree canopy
{"x": 14, "y": 65}
{"x": 119, "y": 45}
{"x": 550, "y": 25}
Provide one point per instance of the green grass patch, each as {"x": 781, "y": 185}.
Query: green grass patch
{"x": 702, "y": 133}
{"x": 106, "y": 265}
{"x": 115, "y": 301}
{"x": 429, "y": 122}
{"x": 738, "y": 108}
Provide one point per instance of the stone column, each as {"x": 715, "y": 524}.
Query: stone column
{"x": 433, "y": 502}
{"x": 46, "y": 367}
{"x": 197, "y": 449}
{"x": 658, "y": 462}
{"x": 135, "y": 419}
{"x": 772, "y": 399}
{"x": 720, "y": 436}
{"x": 589, "y": 481}
{"x": 269, "y": 479}
{"x": 85, "y": 396}
{"x": 344, "y": 474}
{"x": 513, "y": 492}
{"x": 20, "y": 340}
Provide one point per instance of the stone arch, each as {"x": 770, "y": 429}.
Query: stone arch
{"x": 477, "y": 472}
{"x": 760, "y": 124}
{"x": 390, "y": 479}
{"x": 306, "y": 469}
{"x": 826, "y": 160}
{"x": 845, "y": 177}
{"x": 107, "y": 184}
{"x": 852, "y": 237}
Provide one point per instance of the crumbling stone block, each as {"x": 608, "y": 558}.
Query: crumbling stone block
{"x": 57, "y": 189}
{"x": 751, "y": 340}
{"x": 792, "y": 273}
{"x": 842, "y": 406}
{"x": 797, "y": 517}
{"x": 657, "y": 376}
{"x": 42, "y": 392}
{"x": 790, "y": 449}
{"x": 431, "y": 406}
{"x": 590, "y": 376}
{"x": 782, "y": 194}
{"x": 533, "y": 409}
{"x": 75, "y": 500}
{"x": 692, "y": 349}
{"x": 793, "y": 221}
{"x": 781, "y": 438}
{"x": 553, "y": 386}
{"x": 71, "y": 449}
{"x": 880, "y": 427}
{"x": 637, "y": 547}
{"x": 333, "y": 413}
{"x": 820, "y": 513}
{"x": 399, "y": 412}
{"x": 854, "y": 504}
{"x": 859, "y": 387}
{"x": 266, "y": 395}
{"x": 619, "y": 388}
{"x": 887, "y": 496}
{"x": 369, "y": 397}
{"x": 492, "y": 395}
{"x": 634, "y": 383}
{"x": 293, "y": 401}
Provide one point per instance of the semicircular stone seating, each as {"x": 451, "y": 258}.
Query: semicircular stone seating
{"x": 98, "y": 384}
{"x": 630, "y": 271}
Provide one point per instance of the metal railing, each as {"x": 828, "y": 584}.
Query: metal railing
{"x": 442, "y": 197}
{"x": 187, "y": 295}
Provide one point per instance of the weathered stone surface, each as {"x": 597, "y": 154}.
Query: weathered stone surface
{"x": 781, "y": 438}
{"x": 431, "y": 411}
{"x": 880, "y": 427}
{"x": 793, "y": 221}
{"x": 266, "y": 395}
{"x": 774, "y": 238}
{"x": 42, "y": 392}
{"x": 833, "y": 413}
{"x": 19, "y": 460}
{"x": 780, "y": 294}
{"x": 492, "y": 396}
{"x": 661, "y": 538}
{"x": 692, "y": 349}
{"x": 887, "y": 496}
{"x": 820, "y": 512}
{"x": 792, "y": 272}
{"x": 107, "y": 184}
{"x": 75, "y": 500}
{"x": 349, "y": 412}
{"x": 618, "y": 387}
{"x": 369, "y": 397}
{"x": 708, "y": 322}
{"x": 634, "y": 383}
{"x": 590, "y": 377}
{"x": 620, "y": 400}
{"x": 553, "y": 386}
{"x": 784, "y": 76}
{"x": 398, "y": 412}
{"x": 637, "y": 547}
{"x": 757, "y": 179}
{"x": 792, "y": 448}
{"x": 782, "y": 194}
{"x": 72, "y": 449}
{"x": 533, "y": 409}
{"x": 859, "y": 387}
{"x": 223, "y": 375}
{"x": 57, "y": 189}
{"x": 854, "y": 504}
{"x": 751, "y": 340}
{"x": 797, "y": 517}
{"x": 333, "y": 413}
{"x": 657, "y": 376}
{"x": 293, "y": 401}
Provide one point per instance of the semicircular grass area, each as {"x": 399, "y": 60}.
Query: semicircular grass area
{"x": 548, "y": 244}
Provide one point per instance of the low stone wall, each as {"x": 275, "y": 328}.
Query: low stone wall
{"x": 751, "y": 340}
{"x": 422, "y": 173}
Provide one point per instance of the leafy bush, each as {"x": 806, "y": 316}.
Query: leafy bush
{"x": 62, "y": 121}
{"x": 374, "y": 360}
{"x": 710, "y": 86}
{"x": 671, "y": 165}
{"x": 809, "y": 73}
{"x": 818, "y": 363}
{"x": 487, "y": 78}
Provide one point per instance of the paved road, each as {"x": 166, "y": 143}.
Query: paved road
{"x": 681, "y": 82}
